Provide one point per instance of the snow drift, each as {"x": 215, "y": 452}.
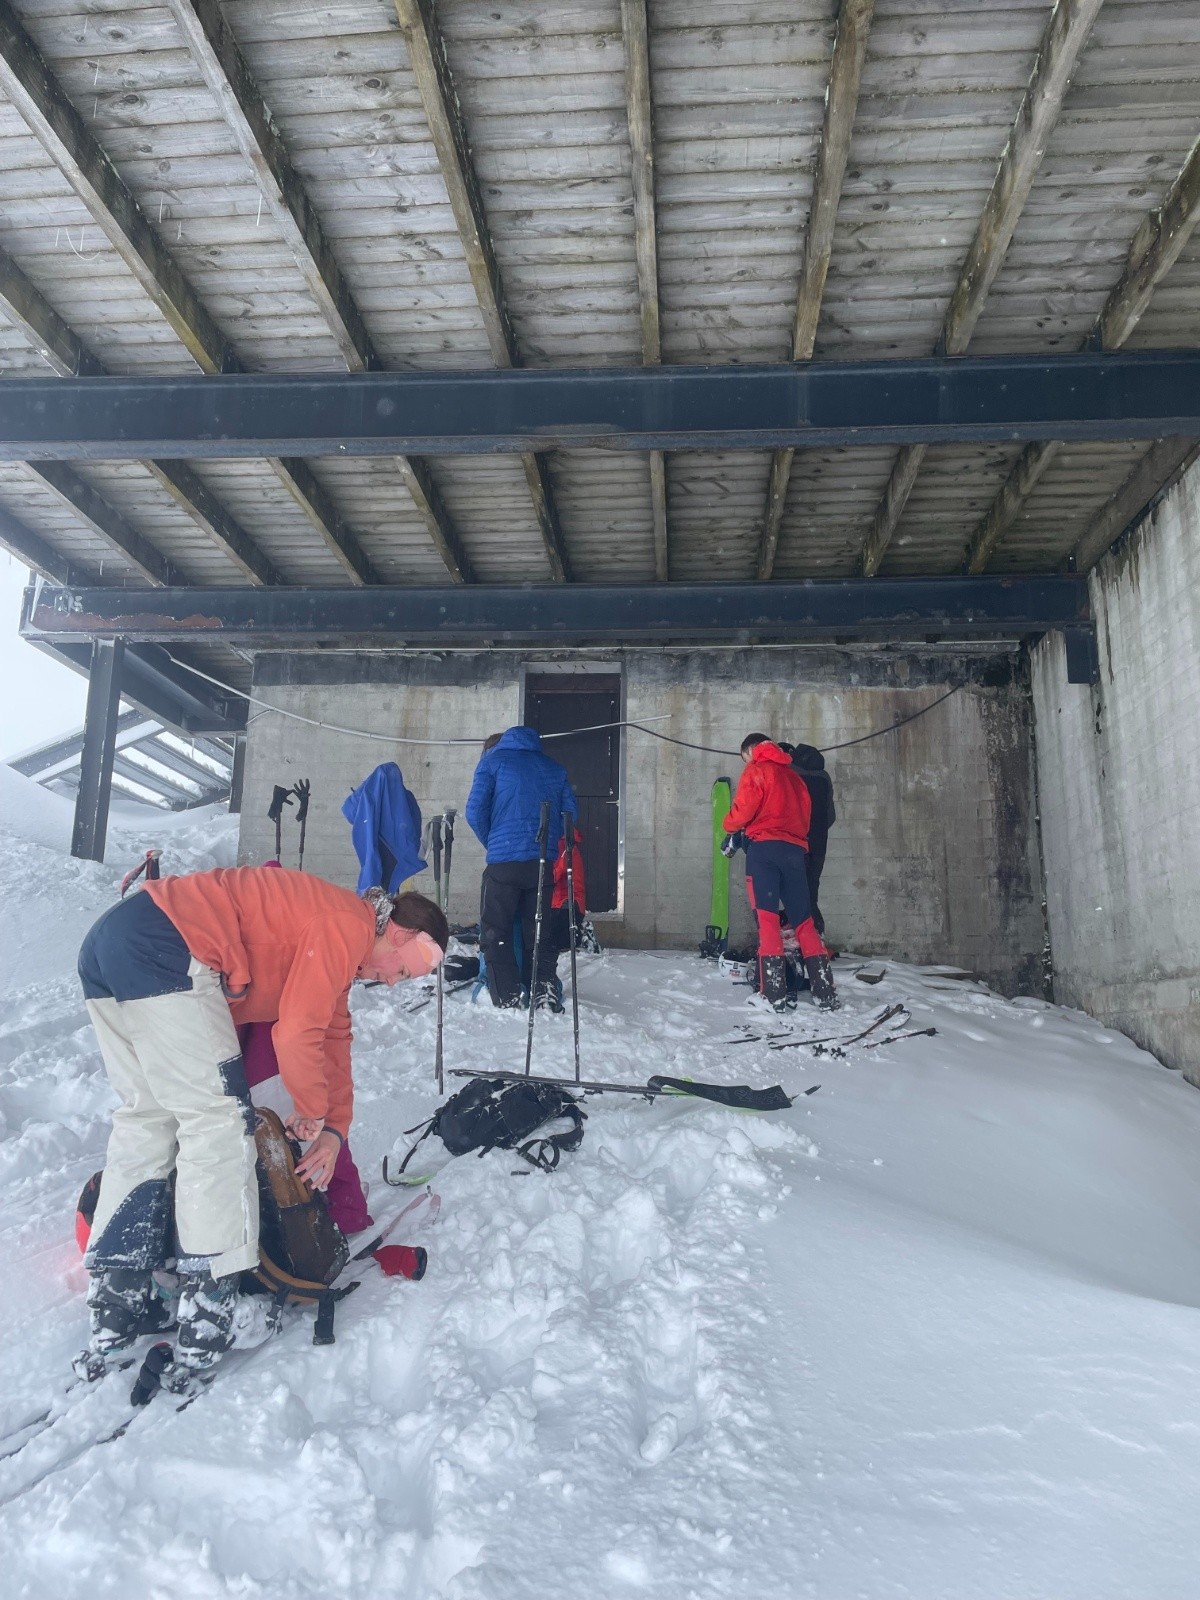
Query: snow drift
{"x": 933, "y": 1332}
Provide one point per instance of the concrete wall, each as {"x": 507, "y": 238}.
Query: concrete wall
{"x": 934, "y": 857}
{"x": 1119, "y": 778}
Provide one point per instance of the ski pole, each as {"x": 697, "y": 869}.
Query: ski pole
{"x": 569, "y": 842}
{"x": 543, "y": 838}
{"x": 302, "y": 791}
{"x": 435, "y": 824}
{"x": 280, "y": 797}
{"x": 437, "y": 1049}
{"x": 448, "y": 817}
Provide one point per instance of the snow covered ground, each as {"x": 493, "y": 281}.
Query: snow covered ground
{"x": 933, "y": 1332}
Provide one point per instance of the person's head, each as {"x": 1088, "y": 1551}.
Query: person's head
{"x": 412, "y": 943}
{"x": 491, "y": 741}
{"x": 751, "y": 743}
{"x": 788, "y": 749}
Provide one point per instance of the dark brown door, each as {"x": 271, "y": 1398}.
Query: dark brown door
{"x": 560, "y": 704}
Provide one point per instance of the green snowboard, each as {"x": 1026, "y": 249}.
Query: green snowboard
{"x": 716, "y": 934}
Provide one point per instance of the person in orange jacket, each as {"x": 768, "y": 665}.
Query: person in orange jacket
{"x": 168, "y": 975}
{"x": 771, "y": 809}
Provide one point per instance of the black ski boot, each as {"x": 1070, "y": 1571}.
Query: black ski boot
{"x": 215, "y": 1317}
{"x": 820, "y": 978}
{"x": 123, "y": 1305}
{"x": 772, "y": 981}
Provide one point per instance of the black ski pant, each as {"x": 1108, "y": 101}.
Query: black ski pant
{"x": 813, "y": 866}
{"x": 510, "y": 896}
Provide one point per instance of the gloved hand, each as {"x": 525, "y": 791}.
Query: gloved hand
{"x": 732, "y": 843}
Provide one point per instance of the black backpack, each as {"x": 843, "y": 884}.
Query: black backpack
{"x": 497, "y": 1114}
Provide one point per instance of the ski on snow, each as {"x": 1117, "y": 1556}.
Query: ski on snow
{"x": 80, "y": 1391}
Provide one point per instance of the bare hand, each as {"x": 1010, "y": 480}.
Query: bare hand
{"x": 317, "y": 1163}
{"x": 304, "y": 1128}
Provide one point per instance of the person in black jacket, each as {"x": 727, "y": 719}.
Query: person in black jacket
{"x": 810, "y": 764}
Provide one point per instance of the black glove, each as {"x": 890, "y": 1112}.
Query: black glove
{"x": 280, "y": 798}
{"x": 302, "y": 790}
{"x": 732, "y": 843}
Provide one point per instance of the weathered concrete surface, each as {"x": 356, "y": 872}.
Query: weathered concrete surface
{"x": 934, "y": 856}
{"x": 1119, "y": 780}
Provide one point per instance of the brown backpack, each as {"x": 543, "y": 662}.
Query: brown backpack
{"x": 301, "y": 1249}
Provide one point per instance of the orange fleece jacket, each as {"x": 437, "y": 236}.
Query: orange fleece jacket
{"x": 287, "y": 946}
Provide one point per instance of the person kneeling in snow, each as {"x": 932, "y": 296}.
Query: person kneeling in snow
{"x": 166, "y": 975}
{"x": 771, "y": 807}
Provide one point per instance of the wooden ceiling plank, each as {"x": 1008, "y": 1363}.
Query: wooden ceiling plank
{"x": 1058, "y": 53}
{"x": 33, "y": 550}
{"x": 24, "y": 304}
{"x": 106, "y": 521}
{"x": 639, "y": 114}
{"x": 37, "y": 95}
{"x": 443, "y": 112}
{"x": 1153, "y": 251}
{"x": 216, "y": 52}
{"x": 841, "y": 105}
{"x": 1157, "y": 467}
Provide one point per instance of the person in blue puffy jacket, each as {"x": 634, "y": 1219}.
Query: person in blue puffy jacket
{"x": 512, "y": 779}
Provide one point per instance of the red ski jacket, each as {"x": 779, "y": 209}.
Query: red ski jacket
{"x": 772, "y": 800}
{"x": 559, "y": 896}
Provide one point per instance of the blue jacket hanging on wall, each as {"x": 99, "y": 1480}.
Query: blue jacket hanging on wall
{"x": 385, "y": 825}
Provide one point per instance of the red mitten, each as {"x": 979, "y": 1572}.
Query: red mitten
{"x": 402, "y": 1260}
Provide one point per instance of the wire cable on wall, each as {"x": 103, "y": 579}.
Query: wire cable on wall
{"x": 595, "y": 727}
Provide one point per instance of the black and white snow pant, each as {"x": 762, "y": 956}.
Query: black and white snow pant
{"x": 509, "y": 896}
{"x": 172, "y": 1056}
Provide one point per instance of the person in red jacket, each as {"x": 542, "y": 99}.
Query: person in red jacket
{"x": 771, "y": 809}
{"x": 167, "y": 976}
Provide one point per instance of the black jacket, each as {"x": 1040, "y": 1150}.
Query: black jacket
{"x": 810, "y": 764}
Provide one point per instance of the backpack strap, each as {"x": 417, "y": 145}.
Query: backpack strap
{"x": 545, "y": 1153}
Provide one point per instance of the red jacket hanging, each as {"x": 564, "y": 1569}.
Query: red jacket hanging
{"x": 559, "y": 896}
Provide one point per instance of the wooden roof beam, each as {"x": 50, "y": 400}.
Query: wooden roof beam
{"x": 31, "y": 549}
{"x": 841, "y": 105}
{"x": 38, "y": 96}
{"x": 1158, "y": 467}
{"x": 91, "y": 507}
{"x": 217, "y": 53}
{"x": 63, "y": 349}
{"x": 1153, "y": 251}
{"x": 435, "y": 84}
{"x": 635, "y": 30}
{"x": 1065, "y": 35}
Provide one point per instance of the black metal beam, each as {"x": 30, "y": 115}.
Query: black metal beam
{"x": 158, "y": 686}
{"x": 913, "y": 608}
{"x": 90, "y": 830}
{"x": 1123, "y": 395}
{"x": 35, "y": 762}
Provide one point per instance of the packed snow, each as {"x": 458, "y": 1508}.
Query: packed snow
{"x": 932, "y": 1332}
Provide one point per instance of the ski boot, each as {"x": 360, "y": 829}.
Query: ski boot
{"x": 123, "y": 1305}
{"x": 772, "y": 981}
{"x": 820, "y": 979}
{"x": 549, "y": 996}
{"x": 214, "y": 1316}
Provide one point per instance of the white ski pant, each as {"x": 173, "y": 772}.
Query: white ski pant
{"x": 175, "y": 1062}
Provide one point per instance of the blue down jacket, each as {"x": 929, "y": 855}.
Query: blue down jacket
{"x": 504, "y": 805}
{"x": 385, "y": 825}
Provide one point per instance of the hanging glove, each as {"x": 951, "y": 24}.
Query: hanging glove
{"x": 302, "y": 790}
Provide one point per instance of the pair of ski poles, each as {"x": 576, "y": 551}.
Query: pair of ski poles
{"x": 439, "y": 835}
{"x": 568, "y": 834}
{"x": 282, "y": 796}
